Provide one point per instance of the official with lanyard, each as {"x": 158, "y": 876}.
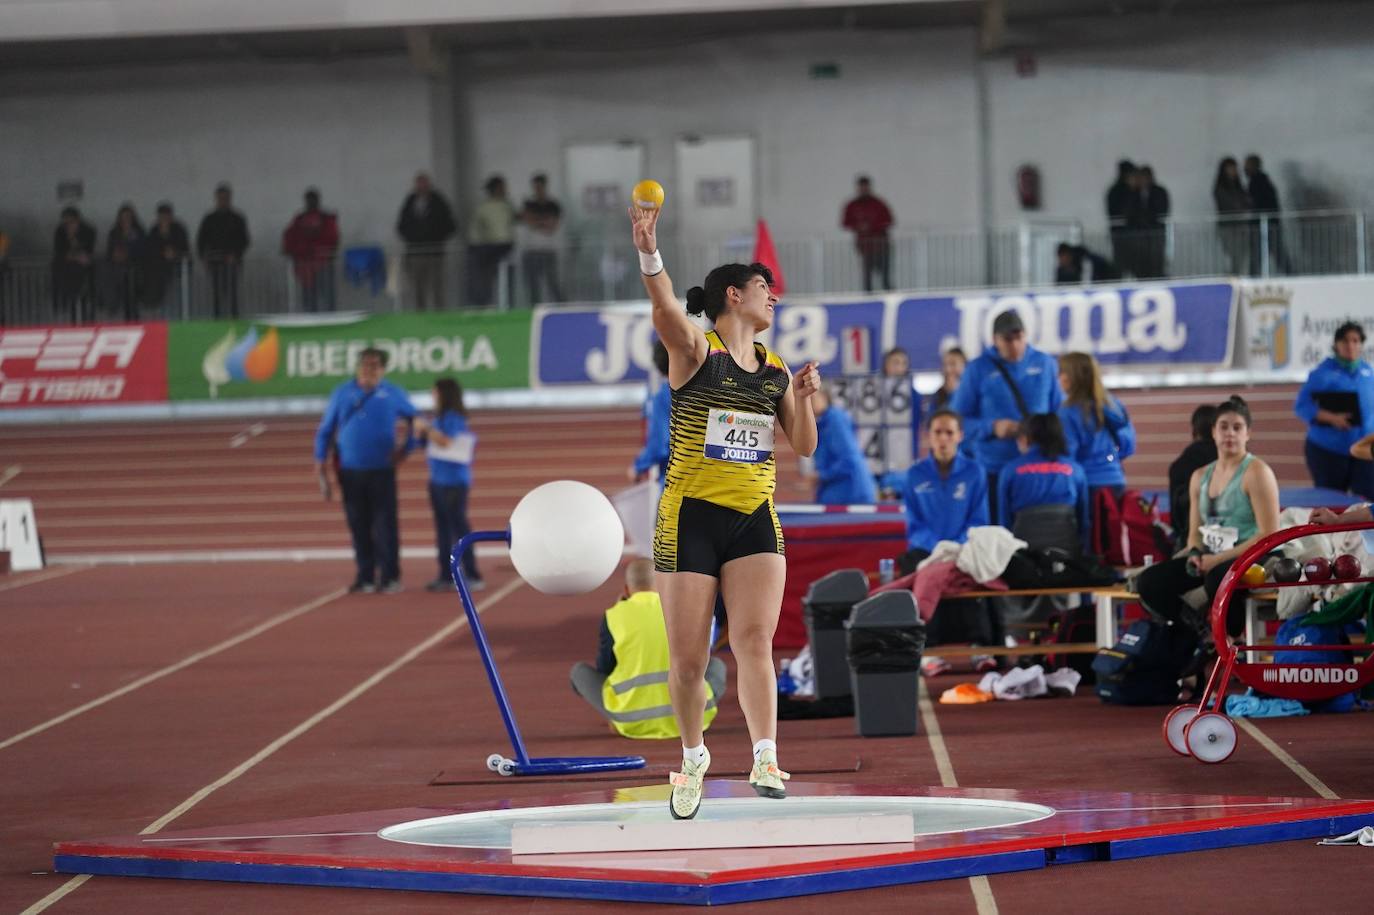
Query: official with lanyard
{"x": 1008, "y": 383}
{"x": 360, "y": 426}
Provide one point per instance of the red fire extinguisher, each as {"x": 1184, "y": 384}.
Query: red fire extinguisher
{"x": 1028, "y": 187}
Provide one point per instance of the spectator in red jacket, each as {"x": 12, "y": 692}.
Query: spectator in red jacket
{"x": 312, "y": 241}
{"x": 869, "y": 219}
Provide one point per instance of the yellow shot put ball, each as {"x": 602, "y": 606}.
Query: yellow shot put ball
{"x": 648, "y": 194}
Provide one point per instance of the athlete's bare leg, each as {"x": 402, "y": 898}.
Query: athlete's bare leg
{"x": 689, "y": 599}
{"x": 752, "y": 589}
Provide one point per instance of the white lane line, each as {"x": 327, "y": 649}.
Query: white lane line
{"x": 56, "y": 895}
{"x": 247, "y": 435}
{"x": 324, "y": 713}
{"x": 10, "y": 473}
{"x": 1283, "y": 756}
{"x": 289, "y": 736}
{"x": 173, "y": 668}
{"x": 47, "y": 575}
{"x": 296, "y": 835}
{"x": 983, "y": 900}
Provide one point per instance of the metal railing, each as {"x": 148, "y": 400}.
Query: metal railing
{"x": 602, "y": 268}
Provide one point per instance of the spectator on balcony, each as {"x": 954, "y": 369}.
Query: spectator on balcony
{"x": 123, "y": 251}
{"x": 164, "y": 251}
{"x": 1264, "y": 204}
{"x": 1232, "y": 202}
{"x": 869, "y": 218}
{"x": 541, "y": 216}
{"x": 490, "y": 239}
{"x": 1075, "y": 264}
{"x": 1146, "y": 212}
{"x": 1118, "y": 201}
{"x": 426, "y": 223}
{"x": 73, "y": 252}
{"x": 312, "y": 243}
{"x": 221, "y": 241}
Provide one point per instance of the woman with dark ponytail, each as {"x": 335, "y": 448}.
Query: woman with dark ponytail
{"x": 717, "y": 529}
{"x": 1044, "y": 474}
{"x": 1234, "y": 501}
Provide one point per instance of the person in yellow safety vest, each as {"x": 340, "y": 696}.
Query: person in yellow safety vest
{"x": 629, "y": 684}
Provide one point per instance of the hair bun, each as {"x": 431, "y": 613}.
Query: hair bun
{"x": 1237, "y": 400}
{"x": 696, "y": 300}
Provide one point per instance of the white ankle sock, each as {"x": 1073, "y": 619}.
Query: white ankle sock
{"x": 694, "y": 754}
{"x": 764, "y": 744}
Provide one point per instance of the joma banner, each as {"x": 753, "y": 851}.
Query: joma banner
{"x": 1145, "y": 325}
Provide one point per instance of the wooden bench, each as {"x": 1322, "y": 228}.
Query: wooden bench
{"x": 1105, "y": 601}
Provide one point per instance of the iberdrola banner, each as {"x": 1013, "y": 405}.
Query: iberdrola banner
{"x": 303, "y": 355}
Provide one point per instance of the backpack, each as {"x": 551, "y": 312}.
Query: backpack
{"x": 1294, "y": 632}
{"x": 1126, "y": 531}
{"x": 1144, "y": 666}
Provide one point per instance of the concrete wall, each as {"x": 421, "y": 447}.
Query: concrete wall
{"x": 358, "y": 131}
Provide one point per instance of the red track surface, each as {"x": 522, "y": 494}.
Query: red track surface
{"x": 180, "y": 486}
{"x": 123, "y": 765}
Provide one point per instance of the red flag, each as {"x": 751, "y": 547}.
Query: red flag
{"x": 766, "y": 254}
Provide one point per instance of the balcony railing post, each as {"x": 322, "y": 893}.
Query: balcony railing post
{"x": 1361, "y": 244}
{"x": 1264, "y": 246}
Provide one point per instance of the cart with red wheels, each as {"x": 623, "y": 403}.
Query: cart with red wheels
{"x": 1201, "y": 729}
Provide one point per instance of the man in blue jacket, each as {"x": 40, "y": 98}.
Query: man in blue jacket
{"x": 1009, "y": 382}
{"x": 361, "y": 425}
{"x": 946, "y": 492}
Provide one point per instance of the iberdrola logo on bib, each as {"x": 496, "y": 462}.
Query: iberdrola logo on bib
{"x": 726, "y": 418}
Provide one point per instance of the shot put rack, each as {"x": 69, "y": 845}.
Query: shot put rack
{"x": 522, "y": 763}
{"x": 1201, "y": 729}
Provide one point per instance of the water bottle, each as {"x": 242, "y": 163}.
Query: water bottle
{"x": 887, "y": 570}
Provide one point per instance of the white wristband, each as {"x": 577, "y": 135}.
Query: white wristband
{"x": 650, "y": 264}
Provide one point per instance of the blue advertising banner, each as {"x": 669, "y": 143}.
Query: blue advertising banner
{"x": 1163, "y": 325}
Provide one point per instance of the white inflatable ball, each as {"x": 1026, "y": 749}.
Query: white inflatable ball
{"x": 565, "y": 538}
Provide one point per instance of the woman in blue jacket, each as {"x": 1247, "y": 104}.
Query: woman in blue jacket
{"x": 945, "y": 492}
{"x": 1097, "y": 429}
{"x": 1042, "y": 475}
{"x": 450, "y": 451}
{"x": 841, "y": 473}
{"x": 1337, "y": 403}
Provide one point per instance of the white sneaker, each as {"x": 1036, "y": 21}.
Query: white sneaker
{"x": 933, "y": 666}
{"x": 766, "y": 777}
{"x": 687, "y": 785}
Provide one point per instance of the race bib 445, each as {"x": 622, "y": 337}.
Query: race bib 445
{"x": 741, "y": 438}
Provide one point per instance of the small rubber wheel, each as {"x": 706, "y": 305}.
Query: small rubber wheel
{"x": 507, "y": 767}
{"x": 494, "y": 762}
{"x": 1210, "y": 737}
{"x": 1175, "y": 723}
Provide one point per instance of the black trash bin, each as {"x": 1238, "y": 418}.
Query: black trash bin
{"x": 885, "y": 638}
{"x": 826, "y": 607}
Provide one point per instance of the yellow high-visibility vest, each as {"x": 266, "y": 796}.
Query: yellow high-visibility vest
{"x": 636, "y": 693}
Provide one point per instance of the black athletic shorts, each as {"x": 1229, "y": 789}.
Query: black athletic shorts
{"x": 697, "y": 536}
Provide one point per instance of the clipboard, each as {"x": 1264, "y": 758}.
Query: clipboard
{"x": 1340, "y": 402}
{"x": 459, "y": 449}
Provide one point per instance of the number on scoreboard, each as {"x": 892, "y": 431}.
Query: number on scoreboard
{"x": 19, "y": 534}
{"x": 883, "y": 411}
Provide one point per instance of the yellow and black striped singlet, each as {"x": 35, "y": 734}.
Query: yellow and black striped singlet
{"x": 722, "y": 385}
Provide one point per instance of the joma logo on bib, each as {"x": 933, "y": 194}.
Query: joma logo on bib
{"x": 740, "y": 438}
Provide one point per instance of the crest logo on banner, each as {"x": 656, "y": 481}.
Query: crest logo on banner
{"x": 1268, "y": 317}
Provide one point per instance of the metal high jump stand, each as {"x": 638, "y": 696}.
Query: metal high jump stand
{"x": 522, "y": 764}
